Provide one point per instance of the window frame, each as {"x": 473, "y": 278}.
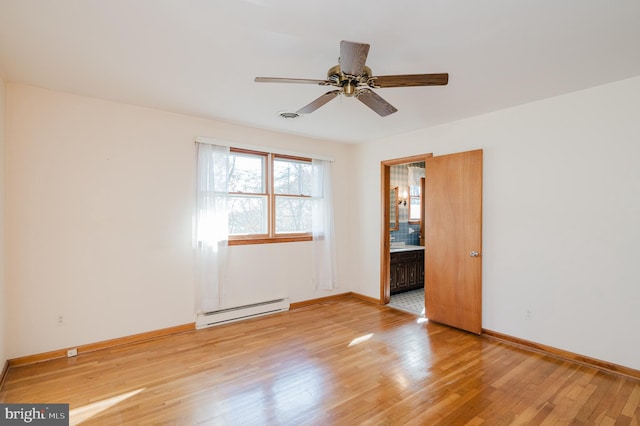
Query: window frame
{"x": 411, "y": 220}
{"x": 270, "y": 236}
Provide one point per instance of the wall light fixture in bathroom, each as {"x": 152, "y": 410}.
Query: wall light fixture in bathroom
{"x": 402, "y": 199}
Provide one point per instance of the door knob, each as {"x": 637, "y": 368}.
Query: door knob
{"x": 474, "y": 253}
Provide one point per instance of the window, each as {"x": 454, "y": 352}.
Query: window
{"x": 246, "y": 196}
{"x": 414, "y": 204}
{"x": 416, "y": 173}
{"x": 269, "y": 197}
{"x": 292, "y": 192}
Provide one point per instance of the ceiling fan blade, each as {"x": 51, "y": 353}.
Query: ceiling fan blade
{"x": 409, "y": 80}
{"x": 314, "y": 105}
{"x": 375, "y": 102}
{"x": 291, "y": 80}
{"x": 352, "y": 57}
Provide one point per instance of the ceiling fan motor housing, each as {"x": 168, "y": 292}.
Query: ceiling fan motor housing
{"x": 349, "y": 83}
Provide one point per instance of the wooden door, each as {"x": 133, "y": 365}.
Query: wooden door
{"x": 453, "y": 240}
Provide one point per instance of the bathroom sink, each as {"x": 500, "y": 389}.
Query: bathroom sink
{"x": 404, "y": 247}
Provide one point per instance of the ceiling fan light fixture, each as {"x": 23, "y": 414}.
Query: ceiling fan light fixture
{"x": 349, "y": 89}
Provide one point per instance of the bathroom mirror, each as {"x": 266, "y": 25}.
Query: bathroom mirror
{"x": 393, "y": 209}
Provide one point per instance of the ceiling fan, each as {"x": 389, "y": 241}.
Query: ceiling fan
{"x": 354, "y": 79}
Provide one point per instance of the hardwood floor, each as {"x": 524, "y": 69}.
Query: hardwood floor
{"x": 339, "y": 362}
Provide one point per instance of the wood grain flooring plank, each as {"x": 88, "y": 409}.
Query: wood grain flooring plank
{"x": 339, "y": 362}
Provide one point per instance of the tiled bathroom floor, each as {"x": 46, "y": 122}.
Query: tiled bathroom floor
{"x": 410, "y": 301}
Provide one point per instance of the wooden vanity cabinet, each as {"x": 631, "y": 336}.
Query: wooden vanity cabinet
{"x": 406, "y": 271}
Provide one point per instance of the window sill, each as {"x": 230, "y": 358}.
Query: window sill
{"x": 288, "y": 239}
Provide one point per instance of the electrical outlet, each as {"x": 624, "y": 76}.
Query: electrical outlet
{"x": 72, "y": 352}
{"x": 528, "y": 314}
{"x": 60, "y": 320}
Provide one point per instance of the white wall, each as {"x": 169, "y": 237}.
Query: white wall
{"x": 561, "y": 217}
{"x": 100, "y": 202}
{"x": 3, "y": 317}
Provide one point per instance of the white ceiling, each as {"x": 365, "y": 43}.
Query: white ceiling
{"x": 200, "y": 57}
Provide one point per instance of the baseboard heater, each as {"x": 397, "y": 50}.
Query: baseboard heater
{"x": 224, "y": 316}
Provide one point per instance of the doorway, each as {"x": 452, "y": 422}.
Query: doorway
{"x": 399, "y": 223}
{"x": 452, "y": 233}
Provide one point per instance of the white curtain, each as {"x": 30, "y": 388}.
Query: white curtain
{"x": 324, "y": 269}
{"x": 415, "y": 173}
{"x": 211, "y": 224}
